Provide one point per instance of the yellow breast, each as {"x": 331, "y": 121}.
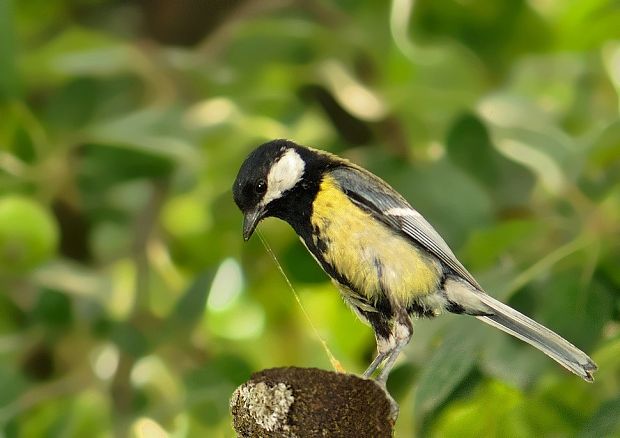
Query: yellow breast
{"x": 371, "y": 256}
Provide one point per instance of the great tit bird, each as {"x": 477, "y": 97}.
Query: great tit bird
{"x": 387, "y": 260}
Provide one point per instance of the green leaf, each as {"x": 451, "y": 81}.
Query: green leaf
{"x": 9, "y": 79}
{"x": 149, "y": 131}
{"x": 402, "y": 378}
{"x": 130, "y": 339}
{"x": 53, "y": 309}
{"x": 493, "y": 411}
{"x": 605, "y": 422}
{"x": 469, "y": 146}
{"x": 105, "y": 165}
{"x": 12, "y": 384}
{"x": 600, "y": 172}
{"x": 73, "y": 105}
{"x": 227, "y": 367}
{"x": 447, "y": 368}
{"x": 586, "y": 24}
{"x": 49, "y": 420}
{"x": 210, "y": 387}
{"x": 74, "y": 52}
{"x": 576, "y": 310}
{"x": 485, "y": 246}
{"x": 513, "y": 361}
{"x": 191, "y": 306}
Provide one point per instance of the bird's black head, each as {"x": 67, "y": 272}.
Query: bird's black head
{"x": 270, "y": 172}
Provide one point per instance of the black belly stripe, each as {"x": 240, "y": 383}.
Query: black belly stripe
{"x": 383, "y": 314}
{"x": 380, "y": 319}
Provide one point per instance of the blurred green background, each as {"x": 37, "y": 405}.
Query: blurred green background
{"x": 129, "y": 304}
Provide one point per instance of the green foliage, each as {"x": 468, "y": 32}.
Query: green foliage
{"x": 443, "y": 374}
{"x": 129, "y": 303}
{"x": 28, "y": 234}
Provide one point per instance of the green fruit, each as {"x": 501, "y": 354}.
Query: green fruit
{"x": 28, "y": 234}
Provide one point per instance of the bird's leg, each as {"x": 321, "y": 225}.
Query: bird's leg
{"x": 379, "y": 358}
{"x": 382, "y": 327}
{"x": 401, "y": 334}
{"x": 389, "y": 346}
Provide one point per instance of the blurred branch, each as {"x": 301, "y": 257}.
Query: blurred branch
{"x": 43, "y": 393}
{"x": 11, "y": 165}
{"x": 546, "y": 263}
{"x": 122, "y": 390}
{"x": 185, "y": 22}
{"x": 219, "y": 38}
{"x": 144, "y": 226}
{"x": 162, "y": 89}
{"x": 400, "y": 27}
{"x": 160, "y": 259}
{"x": 122, "y": 394}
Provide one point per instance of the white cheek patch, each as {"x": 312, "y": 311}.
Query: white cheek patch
{"x": 399, "y": 211}
{"x": 284, "y": 174}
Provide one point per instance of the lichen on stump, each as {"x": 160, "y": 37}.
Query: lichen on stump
{"x": 308, "y": 402}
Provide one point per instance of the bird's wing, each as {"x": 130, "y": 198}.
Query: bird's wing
{"x": 385, "y": 204}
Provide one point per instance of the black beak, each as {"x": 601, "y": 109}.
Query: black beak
{"x": 251, "y": 220}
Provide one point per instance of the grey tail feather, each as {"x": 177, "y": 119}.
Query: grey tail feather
{"x": 553, "y": 345}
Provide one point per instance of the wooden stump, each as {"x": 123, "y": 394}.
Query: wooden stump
{"x": 308, "y": 402}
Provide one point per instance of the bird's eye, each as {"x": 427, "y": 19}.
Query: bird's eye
{"x": 261, "y": 187}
